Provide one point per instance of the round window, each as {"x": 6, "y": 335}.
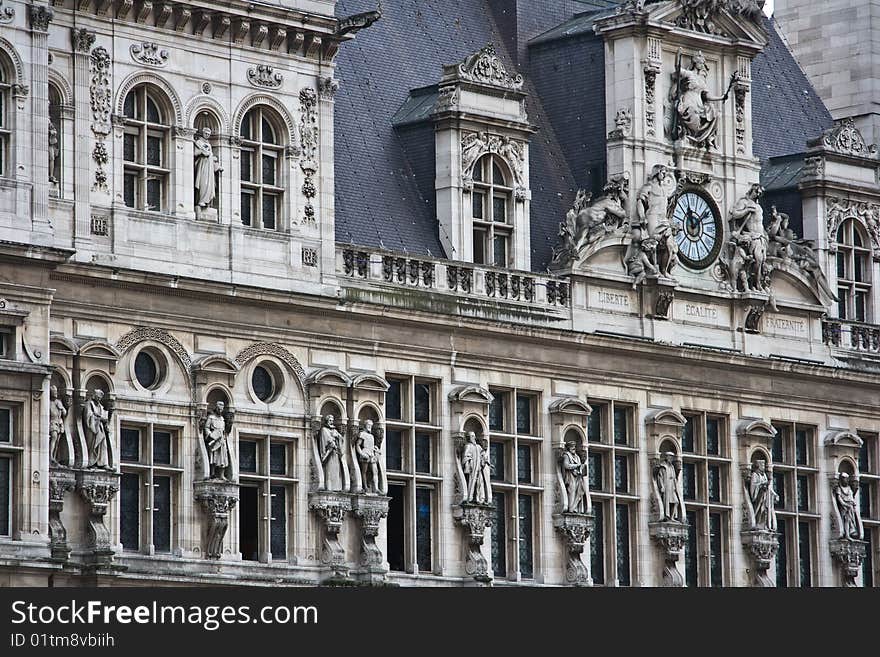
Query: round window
{"x": 264, "y": 383}
{"x": 146, "y": 370}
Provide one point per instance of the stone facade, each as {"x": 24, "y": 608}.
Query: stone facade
{"x": 200, "y": 383}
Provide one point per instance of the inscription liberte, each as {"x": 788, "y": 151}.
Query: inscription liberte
{"x": 612, "y": 298}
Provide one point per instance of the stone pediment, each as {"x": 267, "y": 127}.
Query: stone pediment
{"x": 484, "y": 67}
{"x": 217, "y": 364}
{"x": 846, "y": 139}
{"x": 370, "y": 381}
{"x": 571, "y": 406}
{"x": 471, "y": 393}
{"x": 740, "y": 20}
{"x": 844, "y": 439}
{"x": 791, "y": 284}
{"x": 330, "y": 376}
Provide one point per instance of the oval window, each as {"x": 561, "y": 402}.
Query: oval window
{"x": 146, "y": 370}
{"x": 264, "y": 383}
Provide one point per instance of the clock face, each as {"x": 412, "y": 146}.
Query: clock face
{"x": 700, "y": 230}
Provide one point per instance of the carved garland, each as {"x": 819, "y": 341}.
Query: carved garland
{"x": 308, "y": 133}
{"x": 485, "y": 67}
{"x": 476, "y": 145}
{"x": 149, "y": 53}
{"x": 841, "y": 209}
{"x": 272, "y": 349}
{"x": 162, "y": 336}
{"x": 651, "y": 70}
{"x": 265, "y": 76}
{"x": 847, "y": 139}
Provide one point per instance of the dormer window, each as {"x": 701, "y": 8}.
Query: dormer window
{"x": 491, "y": 201}
{"x": 853, "y": 273}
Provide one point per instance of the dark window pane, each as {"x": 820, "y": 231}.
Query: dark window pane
{"x": 621, "y": 426}
{"x": 130, "y": 445}
{"x": 154, "y": 194}
{"x": 396, "y": 523}
{"x": 278, "y": 527}
{"x": 247, "y": 209}
{"x": 714, "y": 477}
{"x": 782, "y": 556}
{"x": 478, "y": 200}
{"x": 803, "y": 493}
{"x": 162, "y": 514}
{"x": 497, "y": 175}
{"x": 801, "y": 451}
{"x": 247, "y": 456}
{"x": 479, "y": 247}
{"x": 394, "y": 450}
{"x": 478, "y": 171}
{"x": 689, "y": 481}
{"x": 161, "y": 448}
{"x": 841, "y": 265}
{"x": 248, "y": 523}
{"x": 128, "y": 108}
{"x": 499, "y": 251}
{"x": 154, "y": 151}
{"x": 247, "y": 165}
{"x": 778, "y": 446}
{"x": 868, "y": 563}
{"x": 423, "y": 453}
{"x": 864, "y": 458}
{"x": 866, "y": 490}
{"x": 499, "y": 209}
{"x": 779, "y": 487}
{"x": 270, "y": 211}
{"x": 496, "y": 456}
{"x": 5, "y": 496}
{"x": 594, "y": 423}
{"x": 278, "y": 459}
{"x": 269, "y": 168}
{"x": 713, "y": 439}
{"x": 423, "y": 530}
{"x": 496, "y": 411}
{"x": 129, "y": 191}
{"x": 5, "y": 425}
{"x": 597, "y": 545}
{"x": 524, "y": 415}
{"x": 394, "y": 400}
{"x": 859, "y": 268}
{"x": 423, "y": 403}
{"x": 526, "y": 548}
{"x": 247, "y": 126}
{"x": 716, "y": 563}
{"x": 129, "y": 148}
{"x": 597, "y": 475}
{"x": 804, "y": 555}
{"x": 524, "y": 464}
{"x": 621, "y": 474}
{"x": 268, "y": 133}
{"x": 145, "y": 370}
{"x": 691, "y": 567}
{"x": 499, "y": 536}
{"x": 129, "y": 511}
{"x": 623, "y": 557}
{"x": 153, "y": 115}
{"x": 687, "y": 435}
{"x": 263, "y": 383}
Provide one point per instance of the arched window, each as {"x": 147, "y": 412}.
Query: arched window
{"x": 261, "y": 157}
{"x": 5, "y": 119}
{"x": 56, "y": 138}
{"x": 491, "y": 212}
{"x": 853, "y": 272}
{"x": 145, "y": 150}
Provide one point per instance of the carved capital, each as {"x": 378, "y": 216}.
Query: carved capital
{"x": 849, "y": 554}
{"x": 217, "y": 499}
{"x": 762, "y": 545}
{"x": 41, "y": 16}
{"x": 670, "y": 536}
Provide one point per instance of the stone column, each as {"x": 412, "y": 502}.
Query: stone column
{"x": 331, "y": 507}
{"x": 98, "y": 488}
{"x": 370, "y": 509}
{"x": 40, "y": 18}
{"x": 474, "y": 519}
{"x": 61, "y": 480}
{"x": 217, "y": 498}
{"x": 575, "y": 528}
{"x": 83, "y": 40}
{"x": 670, "y": 536}
{"x": 849, "y": 555}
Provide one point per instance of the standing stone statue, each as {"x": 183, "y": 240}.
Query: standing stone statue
{"x": 762, "y": 496}
{"x": 54, "y": 151}
{"x": 652, "y": 206}
{"x": 696, "y": 117}
{"x": 747, "y": 231}
{"x": 97, "y": 428}
{"x": 574, "y": 473}
{"x": 214, "y": 434}
{"x": 666, "y": 472}
{"x": 587, "y": 223}
{"x": 847, "y": 509}
{"x": 476, "y": 467}
{"x": 57, "y": 415}
{"x": 207, "y": 165}
{"x": 369, "y": 453}
{"x": 330, "y": 446}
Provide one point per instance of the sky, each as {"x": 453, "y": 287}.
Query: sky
{"x": 768, "y": 8}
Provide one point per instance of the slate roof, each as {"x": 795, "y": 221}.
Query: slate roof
{"x": 384, "y": 140}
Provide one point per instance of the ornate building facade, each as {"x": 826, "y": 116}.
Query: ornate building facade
{"x": 303, "y": 292}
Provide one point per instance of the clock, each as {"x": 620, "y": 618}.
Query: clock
{"x": 699, "y": 230}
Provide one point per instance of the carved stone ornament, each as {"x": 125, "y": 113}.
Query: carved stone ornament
{"x": 447, "y": 99}
{"x": 575, "y": 529}
{"x": 670, "y": 536}
{"x": 786, "y": 248}
{"x": 61, "y": 481}
{"x": 331, "y": 507}
{"x": 841, "y": 209}
{"x": 475, "y": 145}
{"x": 845, "y": 138}
{"x": 83, "y": 40}
{"x": 702, "y": 15}
{"x": 623, "y": 124}
{"x": 653, "y": 249}
{"x": 327, "y": 88}
{"x": 308, "y": 133}
{"x": 98, "y": 489}
{"x": 354, "y": 24}
{"x": 149, "y": 54}
{"x": 474, "y": 519}
{"x": 744, "y": 258}
{"x": 100, "y": 94}
{"x": 850, "y": 555}
{"x": 270, "y": 349}
{"x": 217, "y": 499}
{"x": 485, "y": 67}
{"x": 265, "y": 77}
{"x": 762, "y": 545}
{"x": 162, "y": 336}
{"x": 7, "y": 13}
{"x": 370, "y": 510}
{"x": 41, "y": 16}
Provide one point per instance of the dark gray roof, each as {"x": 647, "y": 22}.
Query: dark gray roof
{"x": 384, "y": 137}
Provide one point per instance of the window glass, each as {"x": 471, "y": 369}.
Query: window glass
{"x": 394, "y": 449}
{"x": 423, "y": 453}
{"x": 394, "y": 400}
{"x": 278, "y": 459}
{"x": 161, "y": 447}
{"x": 623, "y": 555}
{"x": 524, "y": 464}
{"x": 423, "y": 530}
{"x": 526, "y": 528}
{"x": 130, "y": 512}
{"x": 162, "y": 514}
{"x": 496, "y": 411}
{"x": 499, "y": 535}
{"x": 5, "y": 496}
{"x": 597, "y": 545}
{"x": 278, "y": 522}
{"x": 496, "y": 456}
{"x": 523, "y": 414}
{"x": 423, "y": 403}
{"x": 130, "y": 445}
{"x": 247, "y": 456}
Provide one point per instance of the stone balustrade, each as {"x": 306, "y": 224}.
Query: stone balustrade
{"x": 851, "y": 335}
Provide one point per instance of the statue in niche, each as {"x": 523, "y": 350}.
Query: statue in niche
{"x": 747, "y": 231}
{"x": 574, "y": 475}
{"x": 330, "y": 449}
{"x": 54, "y": 151}
{"x": 787, "y": 246}
{"x": 476, "y": 466}
{"x": 369, "y": 453}
{"x": 654, "y": 234}
{"x": 207, "y": 166}
{"x": 57, "y": 415}
{"x": 215, "y": 428}
{"x": 848, "y": 513}
{"x": 97, "y": 429}
{"x": 667, "y": 488}
{"x": 762, "y": 496}
{"x": 586, "y": 223}
{"x": 696, "y": 119}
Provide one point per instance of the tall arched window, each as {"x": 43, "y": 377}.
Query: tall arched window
{"x": 491, "y": 203}
{"x": 262, "y": 150}
{"x": 145, "y": 150}
{"x": 5, "y": 118}
{"x": 853, "y": 272}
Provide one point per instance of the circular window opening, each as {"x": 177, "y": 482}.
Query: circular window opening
{"x": 146, "y": 370}
{"x": 263, "y": 383}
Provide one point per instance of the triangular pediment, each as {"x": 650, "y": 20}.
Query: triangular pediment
{"x": 739, "y": 20}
